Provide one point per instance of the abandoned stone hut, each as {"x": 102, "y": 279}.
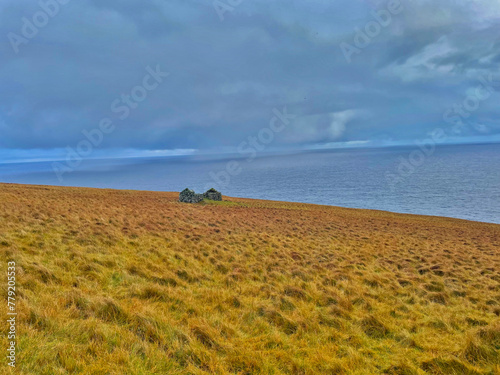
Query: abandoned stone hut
{"x": 189, "y": 196}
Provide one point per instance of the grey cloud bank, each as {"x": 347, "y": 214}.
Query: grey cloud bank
{"x": 229, "y": 72}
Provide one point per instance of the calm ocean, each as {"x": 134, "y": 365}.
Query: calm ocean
{"x": 456, "y": 181}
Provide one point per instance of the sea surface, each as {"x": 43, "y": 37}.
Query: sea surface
{"x": 460, "y": 181}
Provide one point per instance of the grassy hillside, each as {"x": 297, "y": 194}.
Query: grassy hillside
{"x": 123, "y": 282}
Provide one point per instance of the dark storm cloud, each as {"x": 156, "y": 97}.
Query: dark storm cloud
{"x": 226, "y": 77}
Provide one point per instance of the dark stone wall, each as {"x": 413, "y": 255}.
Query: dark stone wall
{"x": 189, "y": 196}
{"x": 213, "y": 195}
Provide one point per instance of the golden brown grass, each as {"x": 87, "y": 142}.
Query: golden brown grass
{"x": 123, "y": 282}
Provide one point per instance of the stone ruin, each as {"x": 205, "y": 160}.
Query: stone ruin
{"x": 213, "y": 195}
{"x": 189, "y": 196}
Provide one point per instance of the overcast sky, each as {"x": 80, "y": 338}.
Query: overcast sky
{"x": 428, "y": 64}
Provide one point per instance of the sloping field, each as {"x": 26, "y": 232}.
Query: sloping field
{"x": 123, "y": 282}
